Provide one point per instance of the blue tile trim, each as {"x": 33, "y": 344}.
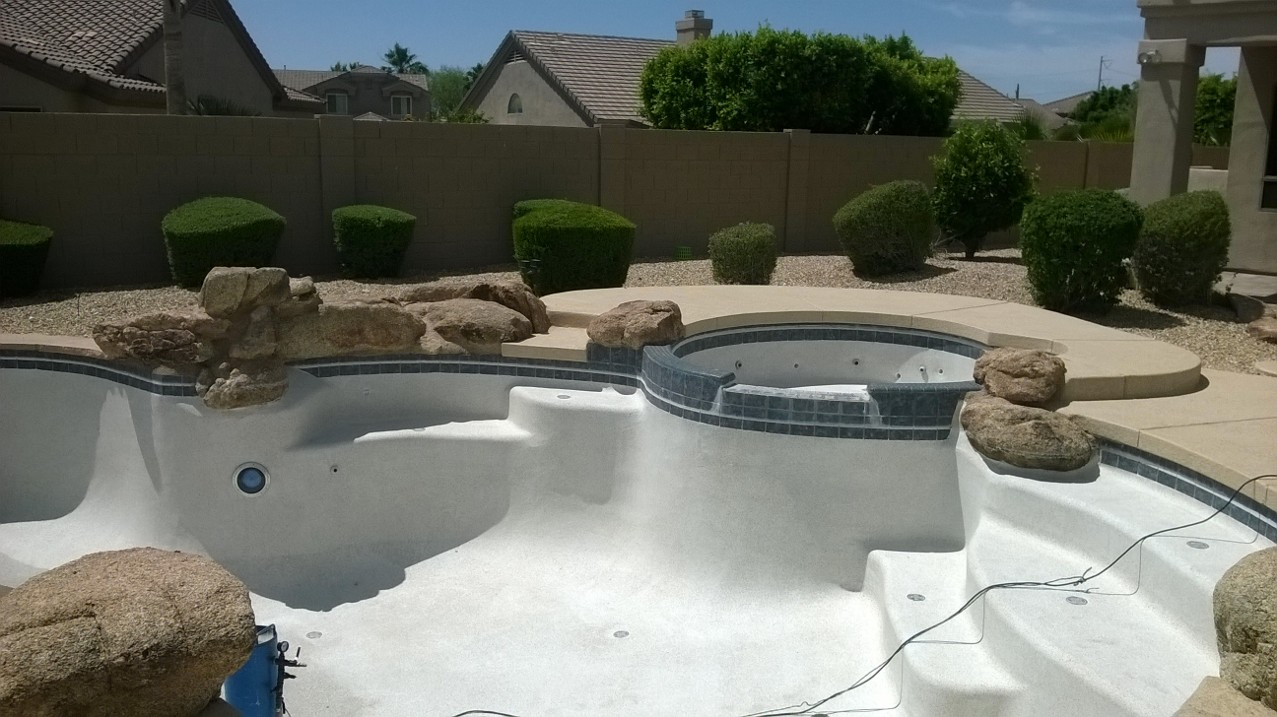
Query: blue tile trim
{"x": 1202, "y": 488}
{"x": 160, "y": 382}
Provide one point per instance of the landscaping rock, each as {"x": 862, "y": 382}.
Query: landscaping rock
{"x": 478, "y": 326}
{"x": 240, "y": 386}
{"x": 512, "y": 294}
{"x": 1024, "y": 436}
{"x": 303, "y": 299}
{"x": 129, "y": 632}
{"x": 258, "y": 338}
{"x": 230, "y": 290}
{"x": 1245, "y": 603}
{"x": 1248, "y": 308}
{"x": 433, "y": 344}
{"x": 1020, "y": 375}
{"x": 1216, "y": 698}
{"x": 636, "y": 324}
{"x": 175, "y": 338}
{"x": 1264, "y": 329}
{"x": 348, "y": 328}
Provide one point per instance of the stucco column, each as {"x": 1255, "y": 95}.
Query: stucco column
{"x": 1164, "y": 120}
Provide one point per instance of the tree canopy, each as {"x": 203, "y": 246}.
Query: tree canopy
{"x": 399, "y": 59}
{"x": 448, "y": 86}
{"x": 771, "y": 80}
{"x": 1109, "y": 114}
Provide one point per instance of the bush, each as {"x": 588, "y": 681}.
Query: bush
{"x": 1182, "y": 248}
{"x": 743, "y": 254}
{"x": 371, "y": 240}
{"x": 1073, "y": 244}
{"x": 563, "y": 246}
{"x": 219, "y": 231}
{"x": 982, "y": 183}
{"x": 23, "y": 249}
{"x": 887, "y": 229}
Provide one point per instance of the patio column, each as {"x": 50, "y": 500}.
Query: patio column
{"x": 1164, "y": 120}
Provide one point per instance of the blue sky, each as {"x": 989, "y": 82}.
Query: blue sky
{"x": 1051, "y": 48}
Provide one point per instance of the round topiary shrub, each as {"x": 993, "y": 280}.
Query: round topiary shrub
{"x": 371, "y": 240}
{"x": 982, "y": 182}
{"x": 1182, "y": 248}
{"x": 1073, "y": 245}
{"x": 743, "y": 254}
{"x": 887, "y": 229}
{"x": 219, "y": 231}
{"x": 23, "y": 249}
{"x": 563, "y": 246}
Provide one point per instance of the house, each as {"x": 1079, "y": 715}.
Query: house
{"x": 1177, "y": 33}
{"x": 366, "y": 92}
{"x": 1066, "y": 106}
{"x": 108, "y": 56}
{"x": 563, "y": 79}
{"x": 1050, "y": 121}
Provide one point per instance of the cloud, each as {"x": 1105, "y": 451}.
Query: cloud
{"x": 1024, "y": 14}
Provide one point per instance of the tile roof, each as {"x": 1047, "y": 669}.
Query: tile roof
{"x": 304, "y": 79}
{"x": 88, "y": 37}
{"x": 980, "y": 101}
{"x": 1050, "y": 120}
{"x": 1065, "y": 105}
{"x": 601, "y": 73}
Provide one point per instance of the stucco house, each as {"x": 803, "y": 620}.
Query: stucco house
{"x": 108, "y": 56}
{"x": 571, "y": 80}
{"x": 1177, "y": 33}
{"x": 365, "y": 92}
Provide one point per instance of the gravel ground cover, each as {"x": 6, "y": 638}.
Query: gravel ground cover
{"x": 1211, "y": 332}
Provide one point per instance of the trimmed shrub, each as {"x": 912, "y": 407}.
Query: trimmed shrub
{"x": 1073, "y": 245}
{"x": 219, "y": 231}
{"x": 371, "y": 240}
{"x": 1182, "y": 248}
{"x": 23, "y": 249}
{"x": 982, "y": 183}
{"x": 743, "y": 254}
{"x": 563, "y": 246}
{"x": 887, "y": 229}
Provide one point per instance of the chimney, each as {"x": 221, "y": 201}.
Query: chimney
{"x": 694, "y": 26}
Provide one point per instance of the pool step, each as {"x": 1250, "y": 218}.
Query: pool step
{"x": 949, "y": 672}
{"x": 1096, "y": 653}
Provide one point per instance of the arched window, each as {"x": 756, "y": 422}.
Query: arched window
{"x": 515, "y": 105}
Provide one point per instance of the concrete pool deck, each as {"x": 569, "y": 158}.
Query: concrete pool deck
{"x": 1127, "y": 388}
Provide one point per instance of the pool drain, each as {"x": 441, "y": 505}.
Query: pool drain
{"x": 314, "y": 635}
{"x": 621, "y": 633}
{"x": 916, "y": 597}
{"x": 1075, "y": 600}
{"x": 1198, "y": 545}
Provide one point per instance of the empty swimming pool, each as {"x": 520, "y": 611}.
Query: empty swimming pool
{"x": 658, "y": 533}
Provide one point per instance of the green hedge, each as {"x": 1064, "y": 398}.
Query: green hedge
{"x": 563, "y": 246}
{"x": 219, "y": 231}
{"x": 371, "y": 240}
{"x": 1182, "y": 248}
{"x": 743, "y": 254}
{"x": 887, "y": 229}
{"x": 1073, "y": 245}
{"x": 982, "y": 182}
{"x": 23, "y": 249}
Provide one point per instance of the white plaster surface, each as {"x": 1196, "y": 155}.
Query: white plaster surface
{"x": 439, "y": 543}
{"x": 791, "y": 364}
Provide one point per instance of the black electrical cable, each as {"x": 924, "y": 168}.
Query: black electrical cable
{"x": 1057, "y": 583}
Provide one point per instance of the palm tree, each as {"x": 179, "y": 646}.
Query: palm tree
{"x": 174, "y": 80}
{"x": 399, "y": 59}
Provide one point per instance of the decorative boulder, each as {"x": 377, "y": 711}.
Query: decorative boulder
{"x": 231, "y": 290}
{"x": 636, "y": 324}
{"x": 1264, "y": 329}
{"x": 248, "y": 384}
{"x": 303, "y": 299}
{"x": 130, "y": 632}
{"x": 512, "y": 294}
{"x": 166, "y": 337}
{"x": 480, "y": 327}
{"x": 1025, "y": 437}
{"x": 347, "y": 329}
{"x": 1216, "y": 698}
{"x": 1246, "y": 626}
{"x": 1020, "y": 375}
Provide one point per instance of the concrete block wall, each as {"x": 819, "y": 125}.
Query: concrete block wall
{"x": 104, "y": 182}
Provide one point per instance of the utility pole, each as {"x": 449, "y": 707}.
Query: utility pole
{"x": 1099, "y": 84}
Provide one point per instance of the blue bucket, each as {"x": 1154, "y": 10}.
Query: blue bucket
{"x": 253, "y": 688}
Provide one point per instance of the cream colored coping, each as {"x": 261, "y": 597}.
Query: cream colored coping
{"x": 1102, "y": 363}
